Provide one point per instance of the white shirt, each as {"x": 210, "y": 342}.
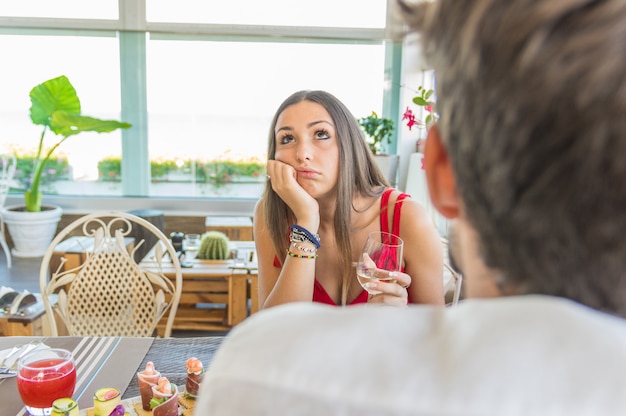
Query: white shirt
{"x": 526, "y": 355}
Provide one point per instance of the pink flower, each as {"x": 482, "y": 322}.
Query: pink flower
{"x": 410, "y": 117}
{"x": 429, "y": 108}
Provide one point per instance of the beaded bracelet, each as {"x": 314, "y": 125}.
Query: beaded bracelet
{"x": 300, "y": 235}
{"x": 305, "y": 249}
{"x": 300, "y": 256}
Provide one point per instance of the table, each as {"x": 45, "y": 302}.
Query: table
{"x": 28, "y": 322}
{"x": 113, "y": 362}
{"x": 169, "y": 356}
{"x": 215, "y": 294}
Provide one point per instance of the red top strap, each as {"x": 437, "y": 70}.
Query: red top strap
{"x": 384, "y": 212}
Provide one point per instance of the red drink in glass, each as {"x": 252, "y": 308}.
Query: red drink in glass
{"x": 45, "y": 376}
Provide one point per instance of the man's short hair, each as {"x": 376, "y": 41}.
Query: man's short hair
{"x": 532, "y": 102}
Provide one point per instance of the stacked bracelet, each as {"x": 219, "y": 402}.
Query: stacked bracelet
{"x": 300, "y": 235}
{"x": 300, "y": 256}
{"x": 305, "y": 249}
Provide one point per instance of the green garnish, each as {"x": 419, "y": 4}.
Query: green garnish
{"x": 154, "y": 402}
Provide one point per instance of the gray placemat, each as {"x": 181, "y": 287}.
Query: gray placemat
{"x": 169, "y": 356}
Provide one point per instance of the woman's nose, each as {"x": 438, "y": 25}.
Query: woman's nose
{"x": 303, "y": 153}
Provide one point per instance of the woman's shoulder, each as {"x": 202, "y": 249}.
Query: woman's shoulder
{"x": 411, "y": 210}
{"x": 259, "y": 208}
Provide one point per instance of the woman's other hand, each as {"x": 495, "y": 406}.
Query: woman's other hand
{"x": 393, "y": 291}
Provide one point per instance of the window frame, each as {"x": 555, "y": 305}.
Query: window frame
{"x": 133, "y": 32}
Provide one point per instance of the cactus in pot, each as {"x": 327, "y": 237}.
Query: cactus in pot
{"x": 214, "y": 246}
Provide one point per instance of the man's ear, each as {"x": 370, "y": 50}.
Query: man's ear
{"x": 440, "y": 176}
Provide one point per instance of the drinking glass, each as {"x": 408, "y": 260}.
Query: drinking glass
{"x": 191, "y": 245}
{"x": 381, "y": 254}
{"x": 43, "y": 376}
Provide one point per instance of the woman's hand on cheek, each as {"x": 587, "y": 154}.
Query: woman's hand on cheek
{"x": 284, "y": 182}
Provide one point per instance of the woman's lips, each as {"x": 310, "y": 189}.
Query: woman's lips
{"x": 307, "y": 174}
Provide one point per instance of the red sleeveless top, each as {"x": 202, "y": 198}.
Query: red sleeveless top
{"x": 319, "y": 293}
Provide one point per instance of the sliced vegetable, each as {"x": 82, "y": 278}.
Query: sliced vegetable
{"x": 154, "y": 402}
{"x": 118, "y": 411}
{"x": 106, "y": 394}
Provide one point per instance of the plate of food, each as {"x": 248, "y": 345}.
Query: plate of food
{"x": 158, "y": 396}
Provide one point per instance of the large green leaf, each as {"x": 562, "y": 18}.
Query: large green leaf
{"x": 55, "y": 105}
{"x": 56, "y": 94}
{"x": 67, "y": 124}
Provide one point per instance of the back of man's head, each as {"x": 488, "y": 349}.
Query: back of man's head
{"x": 532, "y": 99}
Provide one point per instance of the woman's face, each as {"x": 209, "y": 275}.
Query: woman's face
{"x": 306, "y": 140}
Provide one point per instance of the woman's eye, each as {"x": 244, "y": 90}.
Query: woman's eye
{"x": 322, "y": 135}
{"x": 287, "y": 138}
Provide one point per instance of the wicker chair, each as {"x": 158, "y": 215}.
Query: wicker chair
{"x": 453, "y": 280}
{"x": 107, "y": 293}
{"x": 7, "y": 170}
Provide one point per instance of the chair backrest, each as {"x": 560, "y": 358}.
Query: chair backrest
{"x": 7, "y": 170}
{"x": 8, "y": 162}
{"x": 452, "y": 280}
{"x": 107, "y": 293}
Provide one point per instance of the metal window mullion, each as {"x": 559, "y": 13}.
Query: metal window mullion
{"x": 135, "y": 153}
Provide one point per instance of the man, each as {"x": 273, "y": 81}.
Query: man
{"x": 529, "y": 159}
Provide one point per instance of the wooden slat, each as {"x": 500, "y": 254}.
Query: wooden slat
{"x": 201, "y": 314}
{"x": 220, "y": 286}
{"x": 193, "y": 298}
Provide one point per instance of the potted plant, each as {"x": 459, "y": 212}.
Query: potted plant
{"x": 214, "y": 246}
{"x": 378, "y": 131}
{"x": 56, "y": 106}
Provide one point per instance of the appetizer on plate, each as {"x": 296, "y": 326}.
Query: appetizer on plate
{"x": 147, "y": 379}
{"x": 64, "y": 407}
{"x": 107, "y": 401}
{"x": 195, "y": 371}
{"x": 164, "y": 400}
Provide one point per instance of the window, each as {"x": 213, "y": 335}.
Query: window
{"x": 212, "y": 77}
{"x": 320, "y": 13}
{"x": 92, "y": 65}
{"x": 76, "y": 9}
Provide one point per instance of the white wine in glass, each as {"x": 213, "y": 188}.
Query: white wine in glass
{"x": 381, "y": 254}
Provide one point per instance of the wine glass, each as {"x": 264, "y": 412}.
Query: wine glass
{"x": 43, "y": 376}
{"x": 381, "y": 254}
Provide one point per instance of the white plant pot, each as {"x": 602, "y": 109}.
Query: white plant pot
{"x": 388, "y": 164}
{"x": 31, "y": 232}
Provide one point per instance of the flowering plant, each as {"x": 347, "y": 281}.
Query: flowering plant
{"x": 422, "y": 99}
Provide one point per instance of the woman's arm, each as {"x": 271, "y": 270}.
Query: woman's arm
{"x": 423, "y": 258}
{"x": 291, "y": 283}
{"x": 423, "y": 254}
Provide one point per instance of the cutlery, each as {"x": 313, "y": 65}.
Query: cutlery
{"x": 9, "y": 365}
{"x": 8, "y": 374}
{"x": 9, "y": 355}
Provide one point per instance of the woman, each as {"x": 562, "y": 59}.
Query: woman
{"x": 324, "y": 195}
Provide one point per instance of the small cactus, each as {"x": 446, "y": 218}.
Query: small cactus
{"x": 214, "y": 246}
